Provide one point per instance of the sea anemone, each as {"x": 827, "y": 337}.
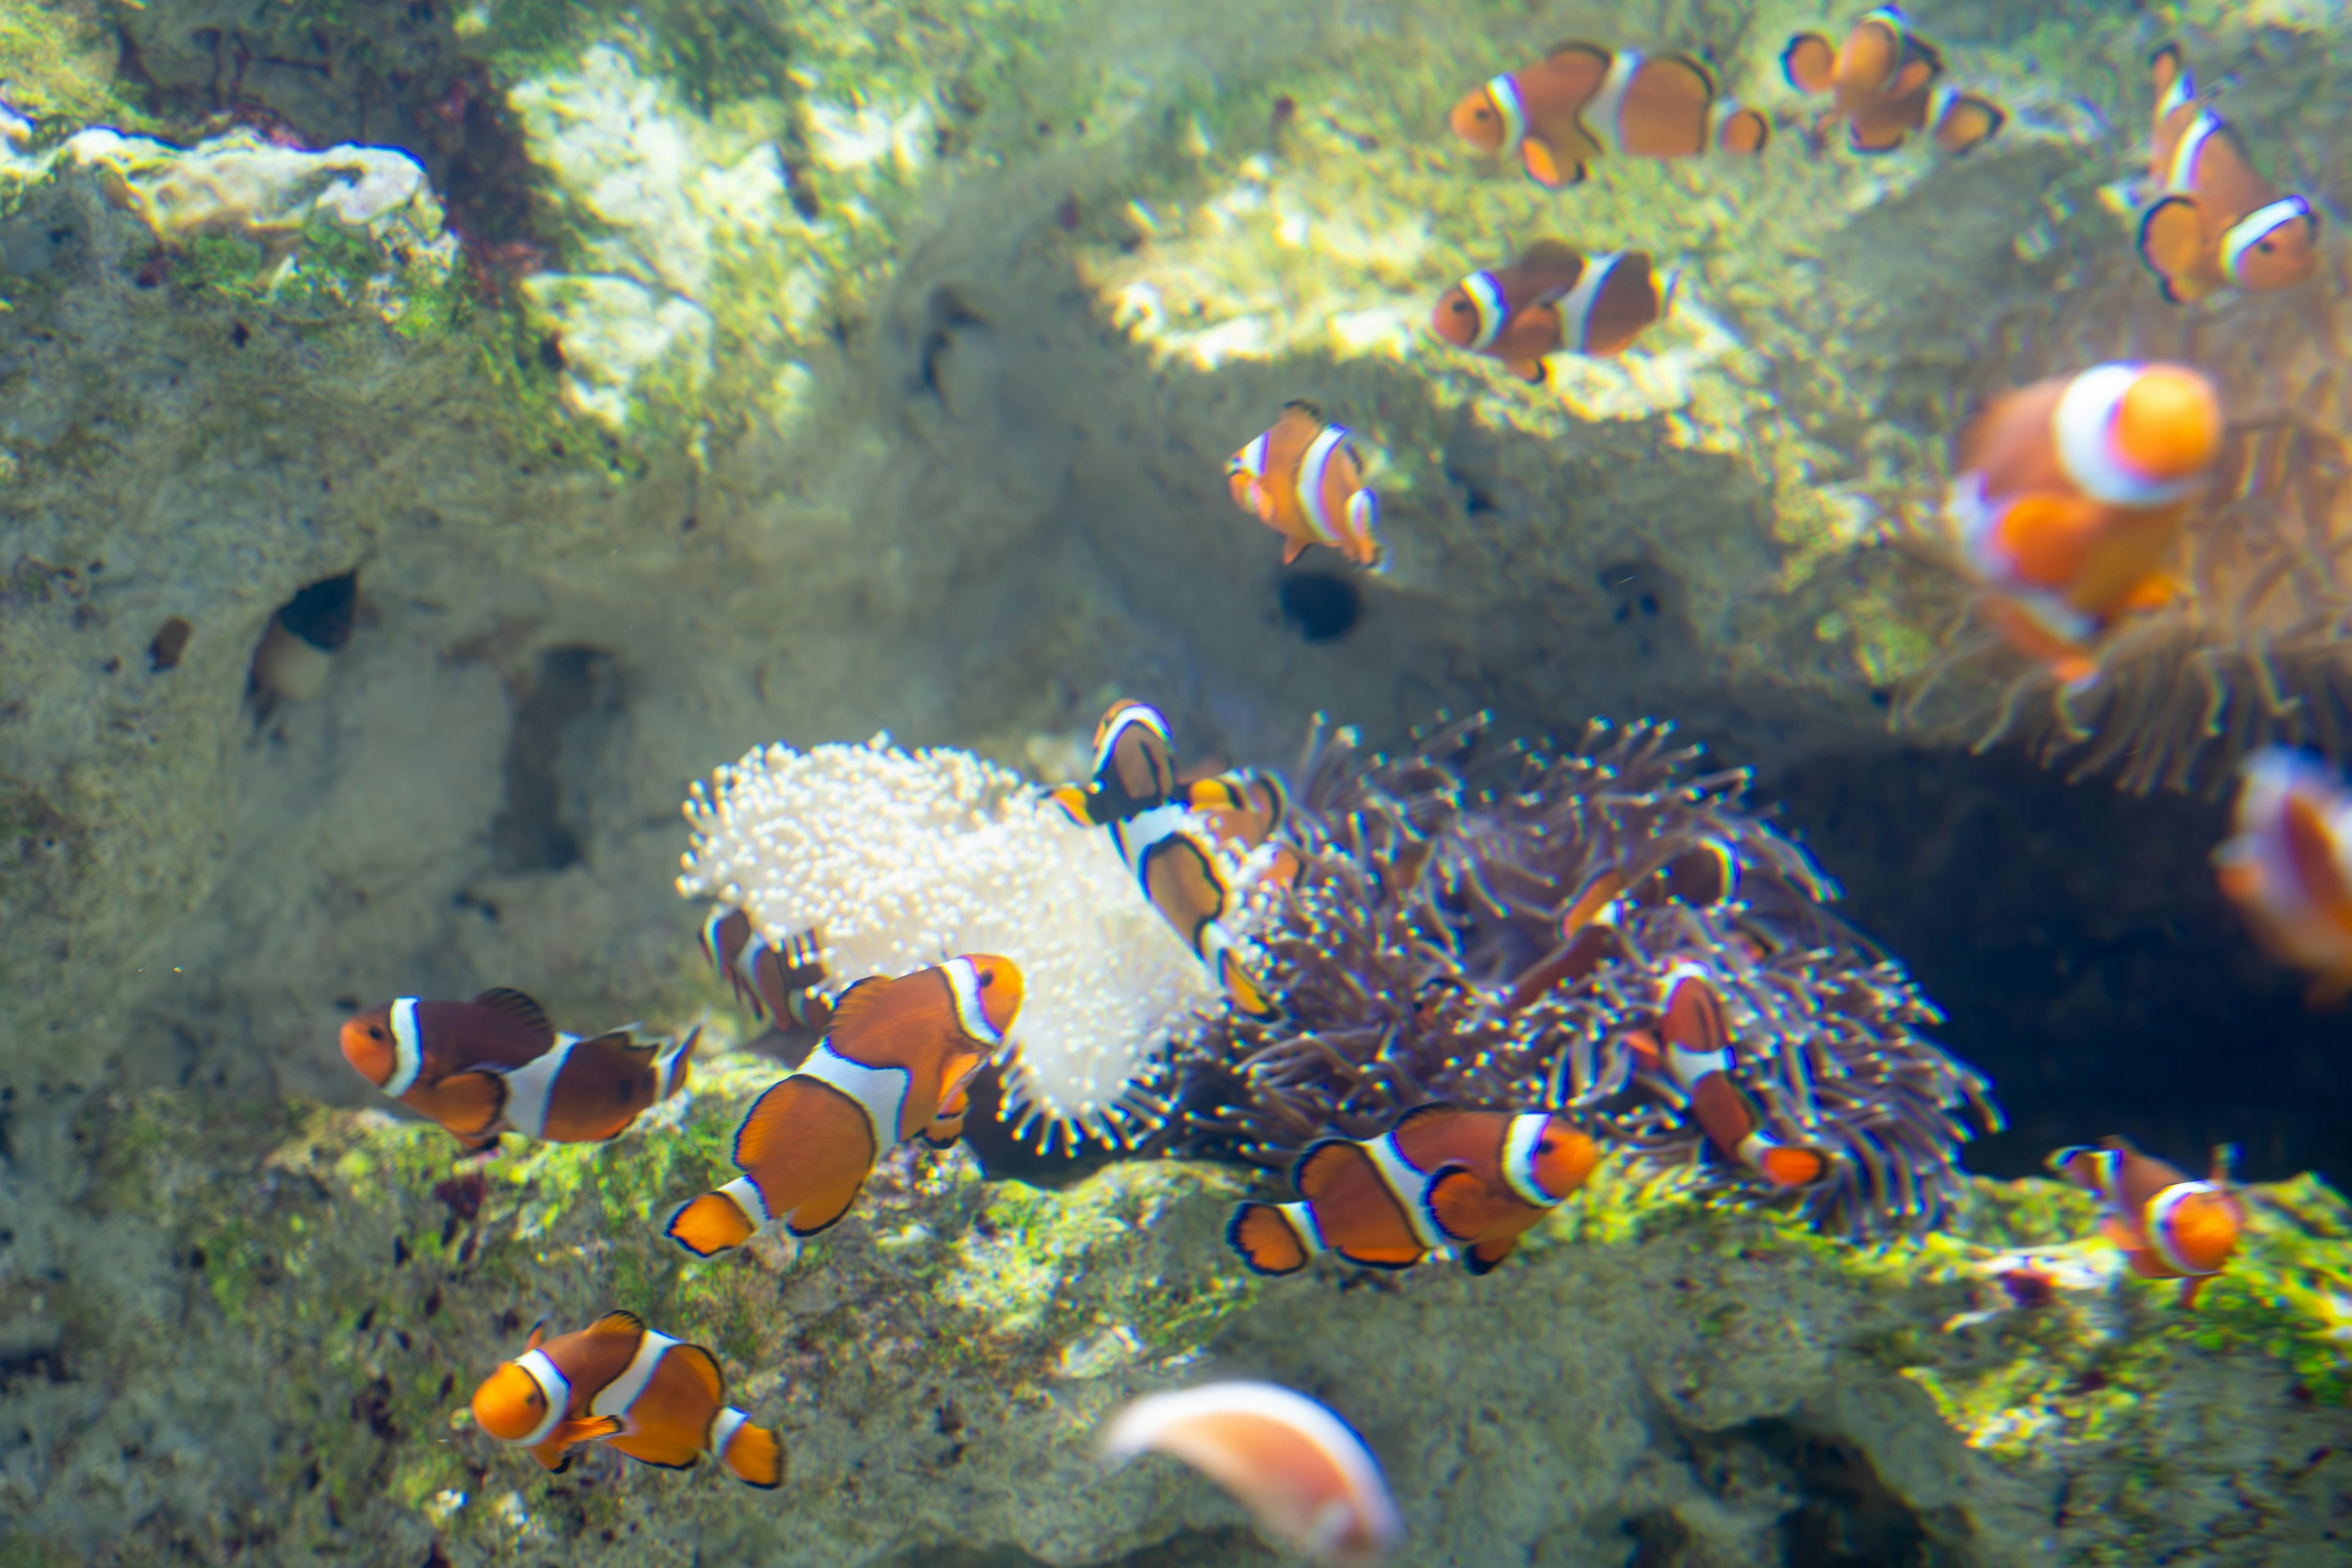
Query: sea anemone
{"x": 1421, "y": 956}
{"x": 897, "y": 860}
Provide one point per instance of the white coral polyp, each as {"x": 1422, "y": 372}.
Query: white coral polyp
{"x": 899, "y": 860}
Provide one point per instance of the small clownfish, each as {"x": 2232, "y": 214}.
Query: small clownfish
{"x": 1887, "y": 82}
{"x": 1134, "y": 768}
{"x": 618, "y": 1382}
{"x": 2215, "y": 224}
{"x": 1244, "y": 808}
{"x": 1703, "y": 875}
{"x": 2166, "y": 1225}
{"x": 496, "y": 1064}
{"x": 776, "y": 985}
{"x": 1552, "y": 298}
{"x": 1442, "y": 1176}
{"x": 1303, "y": 1473}
{"x": 1693, "y": 1044}
{"x": 897, "y": 1062}
{"x": 2288, "y": 867}
{"x": 2069, "y": 499}
{"x": 1304, "y": 479}
{"x": 1583, "y": 101}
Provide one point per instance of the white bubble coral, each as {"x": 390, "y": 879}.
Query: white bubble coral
{"x": 901, "y": 859}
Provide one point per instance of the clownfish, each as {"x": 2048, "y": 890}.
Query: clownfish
{"x": 1442, "y": 1176}
{"x": 2166, "y": 1225}
{"x": 1134, "y": 794}
{"x": 2215, "y": 224}
{"x": 2069, "y": 497}
{"x": 496, "y": 1064}
{"x": 1703, "y": 876}
{"x": 1583, "y": 101}
{"x": 1244, "y": 808}
{"x": 618, "y": 1383}
{"x": 897, "y": 1062}
{"x": 1692, "y": 1044}
{"x": 2288, "y": 867}
{"x": 775, "y": 986}
{"x": 1552, "y": 298}
{"x": 1303, "y": 1473}
{"x": 1304, "y": 479}
{"x": 1887, "y": 82}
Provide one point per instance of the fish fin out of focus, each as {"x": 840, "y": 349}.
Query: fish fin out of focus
{"x": 1809, "y": 63}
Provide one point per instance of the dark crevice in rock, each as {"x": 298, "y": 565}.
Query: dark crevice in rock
{"x": 1838, "y": 1513}
{"x": 575, "y": 692}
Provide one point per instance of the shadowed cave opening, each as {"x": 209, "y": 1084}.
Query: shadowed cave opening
{"x": 573, "y": 698}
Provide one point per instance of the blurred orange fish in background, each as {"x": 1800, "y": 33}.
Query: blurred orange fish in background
{"x": 1583, "y": 101}
{"x": 2069, "y": 497}
{"x": 2288, "y": 867}
{"x": 1304, "y": 479}
{"x": 1887, "y": 82}
{"x": 2167, "y": 1226}
{"x": 2215, "y": 223}
{"x": 1306, "y": 1477}
{"x": 1553, "y": 297}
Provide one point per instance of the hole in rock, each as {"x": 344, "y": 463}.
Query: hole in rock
{"x": 573, "y": 695}
{"x": 292, "y": 659}
{"x": 1843, "y": 1515}
{"x": 1321, "y": 605}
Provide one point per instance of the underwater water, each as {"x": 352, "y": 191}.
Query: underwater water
{"x": 1103, "y": 782}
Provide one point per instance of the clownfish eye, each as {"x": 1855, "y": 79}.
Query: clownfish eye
{"x": 986, "y": 979}
{"x": 375, "y": 1031}
{"x": 1464, "y": 308}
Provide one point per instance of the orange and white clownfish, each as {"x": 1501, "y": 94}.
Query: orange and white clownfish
{"x": 618, "y": 1383}
{"x": 2215, "y": 223}
{"x": 2166, "y": 1226}
{"x": 1304, "y": 479}
{"x": 897, "y": 1062}
{"x": 1444, "y": 1176}
{"x": 781, "y": 986}
{"x": 1583, "y": 101}
{"x": 496, "y": 1064}
{"x": 1303, "y": 1473}
{"x": 1134, "y": 768}
{"x": 1244, "y": 808}
{"x": 1553, "y": 297}
{"x": 1888, "y": 82}
{"x": 1692, "y": 1045}
{"x": 1704, "y": 876}
{"x": 2288, "y": 866}
{"x": 2068, "y": 500}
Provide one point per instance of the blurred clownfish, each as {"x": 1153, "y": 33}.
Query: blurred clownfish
{"x": 1134, "y": 768}
{"x": 1305, "y": 1476}
{"x": 2215, "y": 224}
{"x": 2288, "y": 867}
{"x": 1887, "y": 82}
{"x": 1583, "y": 101}
{"x": 2166, "y": 1226}
{"x": 777, "y": 986}
{"x": 1244, "y": 808}
{"x": 1444, "y": 1176}
{"x": 897, "y": 1062}
{"x": 618, "y": 1383}
{"x": 2069, "y": 499}
{"x": 1153, "y": 827}
{"x": 1704, "y": 876}
{"x": 1692, "y": 1045}
{"x": 496, "y": 1064}
{"x": 1304, "y": 479}
{"x": 1552, "y": 298}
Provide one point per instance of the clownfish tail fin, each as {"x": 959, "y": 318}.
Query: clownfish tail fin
{"x": 712, "y": 1223}
{"x": 1271, "y": 1239}
{"x": 753, "y": 1455}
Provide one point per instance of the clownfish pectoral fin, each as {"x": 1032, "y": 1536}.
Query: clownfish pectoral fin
{"x": 1488, "y": 1256}
{"x": 1544, "y": 168}
{"x": 1787, "y": 1166}
{"x": 1461, "y": 1204}
{"x": 481, "y": 1144}
{"x": 2172, "y": 236}
{"x": 1269, "y": 1239}
{"x": 1873, "y": 140}
{"x": 469, "y": 1104}
{"x": 823, "y": 1210}
{"x": 538, "y": 1336}
{"x": 1809, "y": 63}
{"x": 590, "y": 1429}
{"x": 510, "y": 1004}
{"x": 1248, "y": 995}
{"x": 1292, "y": 549}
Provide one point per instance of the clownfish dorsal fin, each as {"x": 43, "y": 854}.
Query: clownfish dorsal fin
{"x": 619, "y": 1320}
{"x": 858, "y": 999}
{"x": 1435, "y": 1109}
{"x": 1554, "y": 256}
{"x": 538, "y": 1336}
{"x": 1578, "y": 47}
{"x": 706, "y": 1369}
{"x": 512, "y": 1005}
{"x": 1310, "y": 409}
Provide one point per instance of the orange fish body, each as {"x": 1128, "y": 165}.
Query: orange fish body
{"x": 895, "y": 1064}
{"x": 1442, "y": 1176}
{"x": 776, "y": 985}
{"x": 1886, "y": 83}
{"x": 1553, "y": 297}
{"x": 2070, "y": 496}
{"x": 1304, "y": 479}
{"x": 618, "y": 1383}
{"x": 2288, "y": 867}
{"x": 1134, "y": 768}
{"x": 496, "y": 1064}
{"x": 1583, "y": 101}
{"x": 2167, "y": 1226}
{"x": 2215, "y": 223}
{"x": 1692, "y": 1045}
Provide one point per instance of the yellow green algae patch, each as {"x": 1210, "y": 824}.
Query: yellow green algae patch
{"x": 58, "y": 62}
